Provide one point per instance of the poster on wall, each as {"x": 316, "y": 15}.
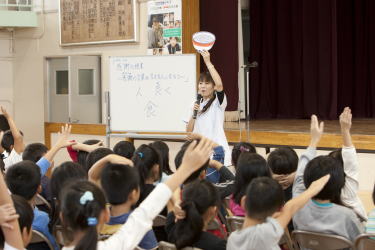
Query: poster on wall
{"x": 164, "y": 27}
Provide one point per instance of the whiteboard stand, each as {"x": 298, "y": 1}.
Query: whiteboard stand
{"x": 108, "y": 120}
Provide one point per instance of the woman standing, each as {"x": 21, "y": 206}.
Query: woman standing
{"x": 210, "y": 109}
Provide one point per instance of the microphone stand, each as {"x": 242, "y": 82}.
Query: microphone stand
{"x": 247, "y": 68}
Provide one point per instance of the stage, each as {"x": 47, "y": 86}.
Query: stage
{"x": 263, "y": 133}
{"x": 296, "y": 133}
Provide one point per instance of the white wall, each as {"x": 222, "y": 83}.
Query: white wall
{"x": 6, "y": 72}
{"x": 33, "y": 46}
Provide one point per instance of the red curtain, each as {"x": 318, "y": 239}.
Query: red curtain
{"x": 315, "y": 57}
{"x": 221, "y": 18}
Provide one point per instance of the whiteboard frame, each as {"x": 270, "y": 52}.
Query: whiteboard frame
{"x": 135, "y": 38}
{"x": 108, "y": 115}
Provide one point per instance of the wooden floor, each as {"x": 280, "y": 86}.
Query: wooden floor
{"x": 296, "y": 133}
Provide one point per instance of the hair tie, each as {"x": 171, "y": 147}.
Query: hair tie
{"x": 243, "y": 149}
{"x": 140, "y": 154}
{"x": 87, "y": 196}
{"x": 92, "y": 221}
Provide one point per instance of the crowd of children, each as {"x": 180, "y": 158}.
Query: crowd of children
{"x": 108, "y": 199}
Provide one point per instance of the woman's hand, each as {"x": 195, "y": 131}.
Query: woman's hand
{"x": 206, "y": 57}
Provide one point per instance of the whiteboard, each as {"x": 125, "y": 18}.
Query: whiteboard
{"x": 151, "y": 93}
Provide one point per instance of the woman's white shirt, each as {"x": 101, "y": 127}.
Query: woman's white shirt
{"x": 211, "y": 124}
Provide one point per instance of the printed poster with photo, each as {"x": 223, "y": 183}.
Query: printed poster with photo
{"x": 164, "y": 29}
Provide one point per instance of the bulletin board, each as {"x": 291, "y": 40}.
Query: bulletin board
{"x": 97, "y": 21}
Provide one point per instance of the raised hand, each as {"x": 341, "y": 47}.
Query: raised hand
{"x": 7, "y": 214}
{"x": 63, "y": 137}
{"x": 5, "y": 113}
{"x": 316, "y": 131}
{"x": 206, "y": 57}
{"x": 196, "y": 155}
{"x": 346, "y": 119}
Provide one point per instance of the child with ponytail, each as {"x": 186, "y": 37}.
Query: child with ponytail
{"x": 83, "y": 207}
{"x": 200, "y": 201}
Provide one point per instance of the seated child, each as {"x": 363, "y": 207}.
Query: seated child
{"x": 24, "y": 179}
{"x": 34, "y": 152}
{"x": 199, "y": 201}
{"x": 120, "y": 184}
{"x": 249, "y": 166}
{"x": 125, "y": 149}
{"x": 325, "y": 212}
{"x": 147, "y": 162}
{"x": 224, "y": 187}
{"x": 347, "y": 157}
{"x": 240, "y": 148}
{"x": 12, "y": 142}
{"x": 266, "y": 217}
{"x": 62, "y": 175}
{"x": 15, "y": 217}
{"x": 163, "y": 150}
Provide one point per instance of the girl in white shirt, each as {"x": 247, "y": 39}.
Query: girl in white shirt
{"x": 210, "y": 117}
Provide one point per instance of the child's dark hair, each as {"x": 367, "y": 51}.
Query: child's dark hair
{"x": 163, "y": 150}
{"x": 118, "y": 181}
{"x": 197, "y": 197}
{"x": 337, "y": 154}
{"x": 34, "y": 151}
{"x": 23, "y": 179}
{"x": 264, "y": 197}
{"x": 82, "y": 155}
{"x": 25, "y": 213}
{"x": 8, "y": 141}
{"x": 95, "y": 156}
{"x": 81, "y": 205}
{"x": 206, "y": 77}
{"x": 321, "y": 166}
{"x": 373, "y": 195}
{"x": 125, "y": 149}
{"x": 145, "y": 158}
{"x": 239, "y": 148}
{"x": 249, "y": 166}
{"x": 178, "y": 160}
{"x": 283, "y": 160}
{"x": 64, "y": 174}
{"x": 4, "y": 125}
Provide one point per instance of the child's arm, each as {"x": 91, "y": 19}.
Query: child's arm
{"x": 18, "y": 146}
{"x": 140, "y": 220}
{"x": 11, "y": 230}
{"x": 295, "y": 204}
{"x": 62, "y": 142}
{"x": 316, "y": 131}
{"x": 87, "y": 148}
{"x": 349, "y": 192}
{"x": 96, "y": 170}
{"x": 215, "y": 75}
